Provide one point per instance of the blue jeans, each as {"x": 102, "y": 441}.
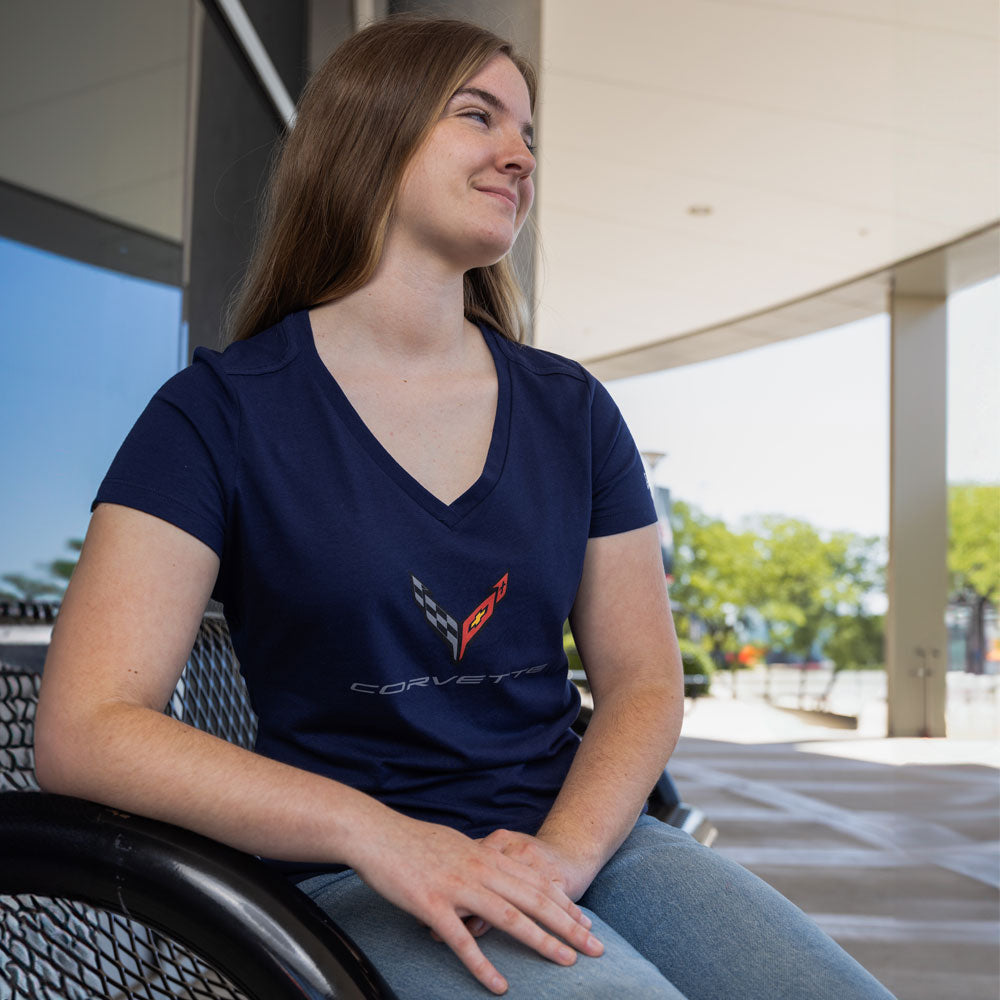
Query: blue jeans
{"x": 678, "y": 922}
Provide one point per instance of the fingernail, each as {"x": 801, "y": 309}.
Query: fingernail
{"x": 592, "y": 942}
{"x": 585, "y": 920}
{"x": 566, "y": 954}
{"x": 498, "y": 984}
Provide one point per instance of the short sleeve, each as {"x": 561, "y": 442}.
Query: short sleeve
{"x": 621, "y": 499}
{"x": 178, "y": 461}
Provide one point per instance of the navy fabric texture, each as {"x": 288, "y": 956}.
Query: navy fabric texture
{"x": 409, "y": 648}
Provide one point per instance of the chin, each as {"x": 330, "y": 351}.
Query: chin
{"x": 475, "y": 248}
{"x": 491, "y": 250}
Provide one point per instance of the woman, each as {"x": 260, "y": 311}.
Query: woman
{"x": 399, "y": 506}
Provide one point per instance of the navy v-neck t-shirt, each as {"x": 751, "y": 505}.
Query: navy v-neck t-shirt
{"x": 407, "y": 647}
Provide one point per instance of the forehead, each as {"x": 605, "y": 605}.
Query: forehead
{"x": 503, "y": 79}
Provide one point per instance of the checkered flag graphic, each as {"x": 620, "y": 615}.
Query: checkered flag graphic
{"x": 440, "y": 620}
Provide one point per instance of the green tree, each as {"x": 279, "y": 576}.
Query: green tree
{"x": 62, "y": 569}
{"x": 974, "y": 559}
{"x": 810, "y": 590}
{"x": 807, "y": 584}
{"x": 790, "y": 582}
{"x": 20, "y": 587}
{"x": 856, "y": 637}
{"x": 51, "y": 588}
{"x": 856, "y": 642}
{"x": 711, "y": 567}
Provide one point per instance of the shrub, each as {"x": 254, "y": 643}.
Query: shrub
{"x": 697, "y": 663}
{"x": 569, "y": 645}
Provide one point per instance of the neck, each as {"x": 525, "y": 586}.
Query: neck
{"x": 411, "y": 308}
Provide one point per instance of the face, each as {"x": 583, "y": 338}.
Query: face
{"x": 468, "y": 188}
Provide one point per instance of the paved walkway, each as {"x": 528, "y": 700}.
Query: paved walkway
{"x": 891, "y": 845}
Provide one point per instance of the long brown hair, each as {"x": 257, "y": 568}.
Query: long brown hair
{"x": 361, "y": 118}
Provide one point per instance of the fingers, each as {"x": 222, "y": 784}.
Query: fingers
{"x": 454, "y": 933}
{"x": 441, "y": 877}
{"x": 514, "y": 906}
{"x": 534, "y": 854}
{"x": 476, "y": 926}
{"x": 539, "y": 873}
{"x": 529, "y": 913}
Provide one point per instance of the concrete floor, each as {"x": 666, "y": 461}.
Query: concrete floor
{"x": 892, "y": 846}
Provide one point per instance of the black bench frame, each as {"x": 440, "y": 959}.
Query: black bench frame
{"x": 95, "y": 902}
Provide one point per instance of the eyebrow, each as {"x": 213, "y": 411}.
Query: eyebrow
{"x": 495, "y": 103}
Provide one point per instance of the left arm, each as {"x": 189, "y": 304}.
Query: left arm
{"x": 624, "y": 631}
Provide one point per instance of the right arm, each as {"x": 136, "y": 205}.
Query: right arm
{"x": 123, "y": 635}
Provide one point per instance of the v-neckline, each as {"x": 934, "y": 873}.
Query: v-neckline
{"x": 448, "y": 513}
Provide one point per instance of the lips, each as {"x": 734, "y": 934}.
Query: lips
{"x": 505, "y": 193}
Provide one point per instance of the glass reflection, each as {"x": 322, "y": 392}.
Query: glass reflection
{"x": 83, "y": 349}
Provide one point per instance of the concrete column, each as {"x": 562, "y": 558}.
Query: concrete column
{"x": 916, "y": 652}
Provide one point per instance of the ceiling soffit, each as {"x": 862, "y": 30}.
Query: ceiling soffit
{"x": 703, "y": 160}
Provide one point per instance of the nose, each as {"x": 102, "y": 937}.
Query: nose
{"x": 517, "y": 159}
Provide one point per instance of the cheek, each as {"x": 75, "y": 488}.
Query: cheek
{"x": 410, "y": 186}
{"x": 527, "y": 197}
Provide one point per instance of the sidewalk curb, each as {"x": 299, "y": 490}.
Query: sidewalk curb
{"x": 819, "y": 717}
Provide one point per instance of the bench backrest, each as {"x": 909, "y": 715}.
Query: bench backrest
{"x": 210, "y": 694}
{"x": 55, "y": 947}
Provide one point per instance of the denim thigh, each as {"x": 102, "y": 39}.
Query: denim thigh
{"x": 678, "y": 922}
{"x": 714, "y": 929}
{"x": 419, "y": 968}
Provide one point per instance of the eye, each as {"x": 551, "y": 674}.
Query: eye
{"x": 483, "y": 116}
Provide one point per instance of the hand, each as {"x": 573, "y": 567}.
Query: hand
{"x": 442, "y": 877}
{"x": 546, "y": 856}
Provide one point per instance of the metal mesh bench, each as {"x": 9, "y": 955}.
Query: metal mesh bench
{"x": 96, "y": 904}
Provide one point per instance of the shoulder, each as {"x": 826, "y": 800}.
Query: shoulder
{"x": 268, "y": 351}
{"x": 561, "y": 379}
{"x": 532, "y": 362}
{"x": 219, "y": 374}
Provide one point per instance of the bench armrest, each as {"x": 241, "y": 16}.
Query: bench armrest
{"x": 226, "y": 906}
